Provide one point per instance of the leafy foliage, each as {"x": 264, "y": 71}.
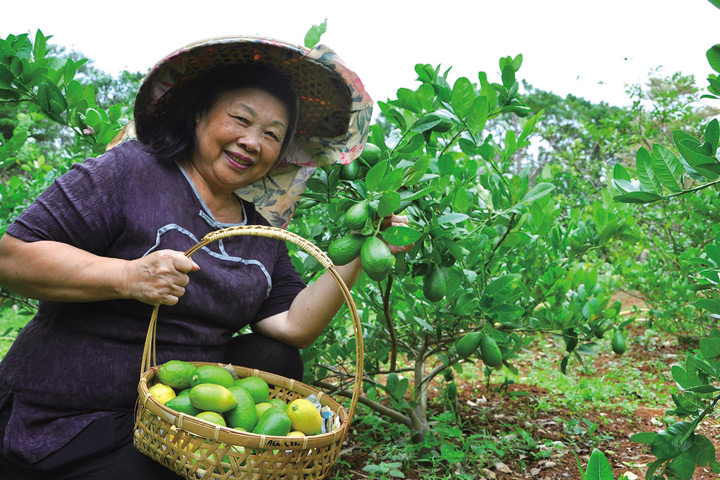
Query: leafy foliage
{"x": 446, "y": 160}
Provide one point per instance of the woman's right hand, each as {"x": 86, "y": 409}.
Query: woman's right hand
{"x": 159, "y": 278}
{"x": 54, "y": 271}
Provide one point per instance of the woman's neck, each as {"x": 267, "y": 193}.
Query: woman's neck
{"x": 224, "y": 206}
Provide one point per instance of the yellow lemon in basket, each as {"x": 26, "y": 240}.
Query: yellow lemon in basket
{"x": 212, "y": 374}
{"x": 162, "y": 392}
{"x": 244, "y": 415}
{"x": 304, "y": 416}
{"x": 296, "y": 433}
{"x": 212, "y": 417}
{"x": 176, "y": 374}
{"x": 209, "y": 396}
{"x": 257, "y": 387}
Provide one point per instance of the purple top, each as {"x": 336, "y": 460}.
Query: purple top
{"x": 75, "y": 362}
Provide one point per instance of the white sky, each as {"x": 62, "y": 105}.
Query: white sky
{"x": 591, "y": 49}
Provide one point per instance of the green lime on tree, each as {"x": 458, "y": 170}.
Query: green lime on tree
{"x": 357, "y": 215}
{"x": 350, "y": 171}
{"x": 370, "y": 154}
{"x": 435, "y": 284}
{"x": 490, "y": 351}
{"x": 345, "y": 249}
{"x": 468, "y": 344}
{"x": 376, "y": 259}
{"x": 618, "y": 343}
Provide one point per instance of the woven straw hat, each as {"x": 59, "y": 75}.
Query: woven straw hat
{"x": 323, "y": 95}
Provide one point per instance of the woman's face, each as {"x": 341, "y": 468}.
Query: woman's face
{"x": 239, "y": 138}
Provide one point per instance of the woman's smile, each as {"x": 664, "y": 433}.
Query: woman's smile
{"x": 238, "y": 160}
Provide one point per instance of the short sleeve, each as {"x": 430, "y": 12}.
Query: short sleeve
{"x": 82, "y": 208}
{"x": 286, "y": 284}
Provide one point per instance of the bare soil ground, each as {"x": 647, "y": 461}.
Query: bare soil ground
{"x": 499, "y": 414}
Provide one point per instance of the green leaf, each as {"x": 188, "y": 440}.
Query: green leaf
{"x": 680, "y": 376}
{"x": 689, "y": 148}
{"x": 506, "y": 312}
{"x": 711, "y": 305}
{"x": 426, "y": 96}
{"x": 375, "y": 175}
{"x": 620, "y": 173}
{"x": 74, "y": 92}
{"x": 689, "y": 402}
{"x": 637, "y": 197}
{"x": 681, "y": 468}
{"x": 645, "y": 438}
{"x": 715, "y": 2}
{"x": 70, "y": 71}
{"x": 391, "y": 181}
{"x": 462, "y": 97}
{"x": 508, "y": 76}
{"x": 417, "y": 171}
{"x": 114, "y": 113}
{"x": 40, "y": 47}
{"x": 598, "y": 467}
{"x": 452, "y": 218}
{"x": 312, "y": 37}
{"x": 500, "y": 283}
{"x": 413, "y": 144}
{"x": 478, "y": 115}
{"x": 409, "y": 100}
{"x": 712, "y": 134}
{"x": 646, "y": 176}
{"x": 93, "y": 119}
{"x": 446, "y": 164}
{"x": 709, "y": 170}
{"x": 713, "y": 56}
{"x": 401, "y": 236}
{"x": 427, "y": 122}
{"x": 710, "y": 349}
{"x": 667, "y": 168}
{"x": 389, "y": 202}
{"x": 538, "y": 191}
{"x": 666, "y": 445}
{"x": 462, "y": 199}
{"x": 6, "y": 77}
{"x": 703, "y": 389}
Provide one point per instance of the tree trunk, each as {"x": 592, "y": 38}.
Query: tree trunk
{"x": 418, "y": 416}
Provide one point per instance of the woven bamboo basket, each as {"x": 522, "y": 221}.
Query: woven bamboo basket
{"x": 199, "y": 450}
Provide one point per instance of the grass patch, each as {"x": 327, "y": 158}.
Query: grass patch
{"x": 12, "y": 321}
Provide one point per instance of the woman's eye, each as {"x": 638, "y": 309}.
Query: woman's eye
{"x": 241, "y": 119}
{"x": 273, "y": 135}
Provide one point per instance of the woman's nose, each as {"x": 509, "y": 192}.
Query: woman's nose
{"x": 249, "y": 140}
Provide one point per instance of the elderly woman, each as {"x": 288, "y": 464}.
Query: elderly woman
{"x": 104, "y": 244}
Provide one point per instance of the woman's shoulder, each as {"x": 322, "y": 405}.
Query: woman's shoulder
{"x": 128, "y": 151}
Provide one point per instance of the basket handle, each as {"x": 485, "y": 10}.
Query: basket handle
{"x": 278, "y": 234}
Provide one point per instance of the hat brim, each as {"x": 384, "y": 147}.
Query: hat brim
{"x": 324, "y": 99}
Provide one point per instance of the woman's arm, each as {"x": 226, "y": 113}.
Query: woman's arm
{"x": 315, "y": 306}
{"x": 55, "y": 271}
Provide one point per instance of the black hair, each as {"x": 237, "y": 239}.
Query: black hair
{"x": 172, "y": 137}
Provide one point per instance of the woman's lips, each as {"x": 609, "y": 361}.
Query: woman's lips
{"x": 239, "y": 161}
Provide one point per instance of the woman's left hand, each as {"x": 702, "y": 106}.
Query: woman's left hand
{"x": 396, "y": 221}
